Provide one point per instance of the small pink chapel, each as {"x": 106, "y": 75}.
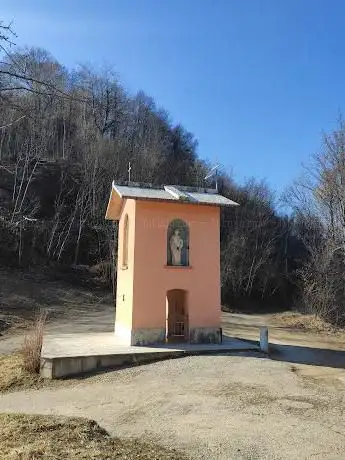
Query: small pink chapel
{"x": 168, "y": 268}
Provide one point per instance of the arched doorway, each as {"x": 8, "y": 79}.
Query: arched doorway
{"x": 177, "y": 315}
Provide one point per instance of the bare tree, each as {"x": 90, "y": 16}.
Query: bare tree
{"x": 318, "y": 200}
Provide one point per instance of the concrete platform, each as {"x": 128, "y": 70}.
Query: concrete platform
{"x": 66, "y": 355}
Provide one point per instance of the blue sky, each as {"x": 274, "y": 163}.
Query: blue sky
{"x": 256, "y": 81}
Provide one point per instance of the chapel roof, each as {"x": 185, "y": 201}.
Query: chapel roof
{"x": 169, "y": 193}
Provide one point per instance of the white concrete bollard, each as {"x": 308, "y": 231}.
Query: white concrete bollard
{"x": 264, "y": 339}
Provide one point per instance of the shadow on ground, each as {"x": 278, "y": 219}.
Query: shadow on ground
{"x": 308, "y": 355}
{"x": 302, "y": 354}
{"x": 288, "y": 344}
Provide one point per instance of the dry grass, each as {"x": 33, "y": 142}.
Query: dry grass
{"x": 13, "y": 376}
{"x": 21, "y": 371}
{"x": 310, "y": 323}
{"x": 33, "y": 437}
{"x": 32, "y": 345}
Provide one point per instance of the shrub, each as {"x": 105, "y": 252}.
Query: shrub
{"x": 32, "y": 345}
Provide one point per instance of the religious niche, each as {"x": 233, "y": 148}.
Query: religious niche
{"x": 178, "y": 243}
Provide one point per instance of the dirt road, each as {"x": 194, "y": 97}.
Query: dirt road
{"x": 71, "y": 308}
{"x": 213, "y": 407}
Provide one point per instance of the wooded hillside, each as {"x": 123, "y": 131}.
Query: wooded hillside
{"x": 65, "y": 135}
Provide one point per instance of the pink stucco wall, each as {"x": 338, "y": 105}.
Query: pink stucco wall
{"x": 148, "y": 258}
{"x": 125, "y": 275}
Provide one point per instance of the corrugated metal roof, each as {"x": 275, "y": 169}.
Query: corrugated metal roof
{"x": 174, "y": 193}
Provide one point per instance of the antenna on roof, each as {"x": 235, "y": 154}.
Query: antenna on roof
{"x": 214, "y": 172}
{"x": 129, "y": 171}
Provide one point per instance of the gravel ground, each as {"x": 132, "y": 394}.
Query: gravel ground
{"x": 212, "y": 407}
